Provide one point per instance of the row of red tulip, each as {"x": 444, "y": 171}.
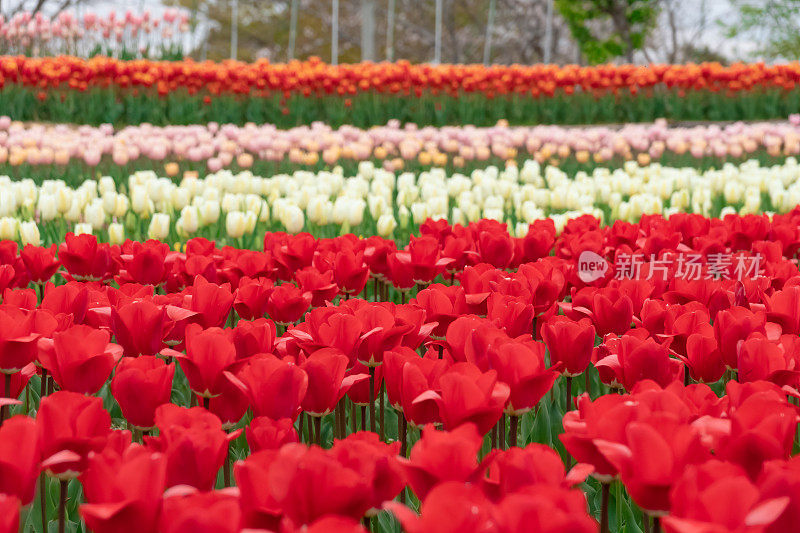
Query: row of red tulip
{"x": 491, "y": 347}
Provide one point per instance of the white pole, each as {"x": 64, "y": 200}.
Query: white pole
{"x": 292, "y": 29}
{"x": 234, "y": 28}
{"x": 335, "y": 33}
{"x": 548, "y": 33}
{"x": 390, "y": 32}
{"x": 437, "y": 39}
{"x": 367, "y": 30}
{"x": 487, "y": 43}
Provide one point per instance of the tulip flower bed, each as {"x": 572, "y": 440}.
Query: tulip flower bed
{"x": 67, "y": 152}
{"x": 104, "y": 90}
{"x": 233, "y": 208}
{"x": 615, "y": 378}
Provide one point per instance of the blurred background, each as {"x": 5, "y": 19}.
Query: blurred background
{"x": 446, "y": 31}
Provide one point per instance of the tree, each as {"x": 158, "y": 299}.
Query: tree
{"x": 606, "y": 29}
{"x": 772, "y": 24}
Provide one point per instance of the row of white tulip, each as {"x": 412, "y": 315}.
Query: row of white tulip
{"x": 375, "y": 200}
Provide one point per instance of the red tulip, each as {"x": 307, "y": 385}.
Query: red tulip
{"x": 467, "y": 395}
{"x": 264, "y": 433}
{"x": 421, "y": 376}
{"x": 287, "y": 304}
{"x": 80, "y": 358}
{"x": 140, "y": 327}
{"x": 70, "y": 299}
{"x": 703, "y": 358}
{"x": 211, "y": 302}
{"x": 251, "y": 297}
{"x": 441, "y": 456}
{"x": 257, "y": 498}
{"x": 521, "y": 366}
{"x": 654, "y": 456}
{"x": 539, "y": 240}
{"x": 513, "y": 314}
{"x": 449, "y": 508}
{"x": 275, "y": 388}
{"x": 251, "y": 338}
{"x": 376, "y": 462}
{"x": 327, "y": 383}
{"x": 495, "y": 246}
{"x": 350, "y": 271}
{"x": 9, "y": 514}
{"x": 230, "y": 406}
{"x": 145, "y": 262}
{"x": 717, "y": 496}
{"x": 632, "y": 359}
{"x": 442, "y": 305}
{"x": 612, "y": 312}
{"x": 70, "y": 427}
{"x": 209, "y": 353}
{"x": 422, "y": 257}
{"x": 18, "y": 342}
{"x": 199, "y": 512}
{"x": 123, "y": 490}
{"x": 309, "y": 483}
{"x": 18, "y": 381}
{"x": 732, "y": 326}
{"x": 321, "y": 285}
{"x": 569, "y": 343}
{"x": 40, "y": 262}
{"x": 194, "y": 444}
{"x": 545, "y": 509}
{"x": 140, "y": 385}
{"x": 19, "y": 458}
{"x": 85, "y": 259}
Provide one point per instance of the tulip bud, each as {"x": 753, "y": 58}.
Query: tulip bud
{"x": 29, "y": 233}
{"x": 159, "y": 226}
{"x": 83, "y": 228}
{"x": 209, "y": 212}
{"x": 293, "y": 219}
{"x": 235, "y": 224}
{"x": 404, "y": 216}
{"x": 47, "y": 207}
{"x": 116, "y": 233}
{"x": 386, "y": 225}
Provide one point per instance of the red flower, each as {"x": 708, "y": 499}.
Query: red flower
{"x": 703, "y": 358}
{"x": 327, "y": 383}
{"x": 140, "y": 327}
{"x": 442, "y": 305}
{"x": 257, "y": 499}
{"x": 264, "y": 433}
{"x": 309, "y": 483}
{"x": 441, "y": 456}
{"x": 18, "y": 342}
{"x": 467, "y": 395}
{"x": 85, "y": 258}
{"x": 287, "y": 304}
{"x": 632, "y": 359}
{"x": 251, "y": 338}
{"x": 80, "y": 358}
{"x": 40, "y": 262}
{"x": 521, "y": 366}
{"x": 145, "y": 262}
{"x": 321, "y": 285}
{"x": 422, "y": 257}
{"x": 211, "y": 302}
{"x": 123, "y": 490}
{"x": 19, "y": 458}
{"x": 350, "y": 271}
{"x": 71, "y": 299}
{"x": 209, "y": 353}
{"x": 570, "y": 343}
{"x": 209, "y": 512}
{"x": 274, "y": 388}
{"x": 375, "y": 461}
{"x": 449, "y": 508}
{"x": 140, "y": 386}
{"x": 732, "y": 326}
{"x": 194, "y": 444}
{"x": 70, "y": 426}
{"x": 251, "y": 297}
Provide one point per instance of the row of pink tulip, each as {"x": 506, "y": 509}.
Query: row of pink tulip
{"x": 26, "y": 32}
{"x": 218, "y": 145}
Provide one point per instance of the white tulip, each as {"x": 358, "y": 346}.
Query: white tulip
{"x": 386, "y": 225}
{"x": 29, "y": 233}
{"x": 293, "y": 219}
{"x": 116, "y": 233}
{"x": 235, "y": 224}
{"x": 83, "y": 228}
{"x": 159, "y": 226}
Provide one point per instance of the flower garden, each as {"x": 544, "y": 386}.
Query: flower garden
{"x": 393, "y": 297}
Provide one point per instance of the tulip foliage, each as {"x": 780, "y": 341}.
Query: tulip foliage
{"x": 464, "y": 381}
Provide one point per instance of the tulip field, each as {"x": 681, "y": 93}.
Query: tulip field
{"x": 241, "y": 297}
